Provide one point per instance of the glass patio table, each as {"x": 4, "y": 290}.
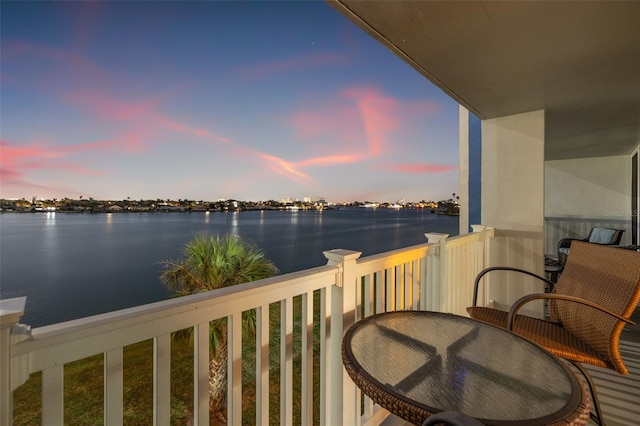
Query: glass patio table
{"x": 417, "y": 363}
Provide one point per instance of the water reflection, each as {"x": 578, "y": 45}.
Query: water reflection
{"x": 233, "y": 230}
{"x": 50, "y": 218}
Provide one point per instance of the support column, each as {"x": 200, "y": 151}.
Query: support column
{"x": 463, "y": 191}
{"x": 513, "y": 198}
{"x": 470, "y": 149}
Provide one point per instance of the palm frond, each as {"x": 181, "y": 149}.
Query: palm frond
{"x": 211, "y": 262}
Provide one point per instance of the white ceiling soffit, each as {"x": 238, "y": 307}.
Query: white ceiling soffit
{"x": 578, "y": 60}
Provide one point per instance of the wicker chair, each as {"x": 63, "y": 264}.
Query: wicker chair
{"x": 597, "y": 235}
{"x": 588, "y": 307}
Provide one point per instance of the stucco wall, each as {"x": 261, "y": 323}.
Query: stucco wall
{"x": 596, "y": 188}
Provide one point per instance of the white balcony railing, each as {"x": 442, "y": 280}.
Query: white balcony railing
{"x": 437, "y": 275}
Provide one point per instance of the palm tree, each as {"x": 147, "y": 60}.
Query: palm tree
{"x": 211, "y": 263}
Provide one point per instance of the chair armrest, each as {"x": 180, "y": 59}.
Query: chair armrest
{"x": 537, "y": 296}
{"x": 566, "y": 242}
{"x": 503, "y": 268}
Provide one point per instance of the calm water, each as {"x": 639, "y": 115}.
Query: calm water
{"x": 74, "y": 265}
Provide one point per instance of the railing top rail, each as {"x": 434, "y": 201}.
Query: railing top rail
{"x": 392, "y": 258}
{"x": 460, "y": 240}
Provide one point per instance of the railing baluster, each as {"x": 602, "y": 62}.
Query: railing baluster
{"x": 162, "y": 379}
{"x": 390, "y": 291}
{"x": 286, "y": 361}
{"x": 307, "y": 359}
{"x": 53, "y": 396}
{"x": 424, "y": 283}
{"x": 415, "y": 284}
{"x": 325, "y": 313}
{"x": 113, "y": 387}
{"x": 234, "y": 369}
{"x": 399, "y": 287}
{"x": 380, "y": 292}
{"x": 262, "y": 365}
{"x": 367, "y": 296}
{"x": 201, "y": 374}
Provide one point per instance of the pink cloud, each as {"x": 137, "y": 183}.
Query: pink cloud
{"x": 9, "y": 175}
{"x": 328, "y": 161}
{"x": 108, "y": 107}
{"x": 293, "y": 170}
{"x": 132, "y": 142}
{"x": 70, "y": 167}
{"x": 16, "y": 160}
{"x": 12, "y": 154}
{"x": 360, "y": 120}
{"x": 179, "y": 127}
{"x": 300, "y": 62}
{"x": 418, "y": 168}
{"x": 140, "y": 113}
{"x": 282, "y": 166}
{"x": 360, "y": 114}
{"x": 379, "y": 116}
{"x": 31, "y": 185}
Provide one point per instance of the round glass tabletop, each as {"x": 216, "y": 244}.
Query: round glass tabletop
{"x": 444, "y": 362}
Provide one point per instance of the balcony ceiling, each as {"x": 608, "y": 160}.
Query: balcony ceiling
{"x": 580, "y": 61}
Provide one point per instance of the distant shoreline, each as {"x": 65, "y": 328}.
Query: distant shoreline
{"x": 191, "y": 210}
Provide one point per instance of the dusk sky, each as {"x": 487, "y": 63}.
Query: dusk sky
{"x": 209, "y": 100}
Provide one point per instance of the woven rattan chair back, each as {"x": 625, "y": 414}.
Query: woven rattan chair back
{"x": 607, "y": 276}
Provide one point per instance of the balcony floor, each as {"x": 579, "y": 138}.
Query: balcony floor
{"x": 619, "y": 395}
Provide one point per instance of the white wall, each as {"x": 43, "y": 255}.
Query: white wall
{"x": 586, "y": 192}
{"x": 595, "y": 188}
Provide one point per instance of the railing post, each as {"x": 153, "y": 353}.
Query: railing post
{"x": 343, "y": 404}
{"x": 482, "y": 244}
{"x": 436, "y": 264}
{"x": 11, "y": 310}
{"x": 483, "y": 258}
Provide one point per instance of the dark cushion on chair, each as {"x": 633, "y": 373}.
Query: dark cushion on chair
{"x": 602, "y": 235}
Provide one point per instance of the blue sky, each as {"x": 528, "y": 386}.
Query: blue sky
{"x": 209, "y": 100}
